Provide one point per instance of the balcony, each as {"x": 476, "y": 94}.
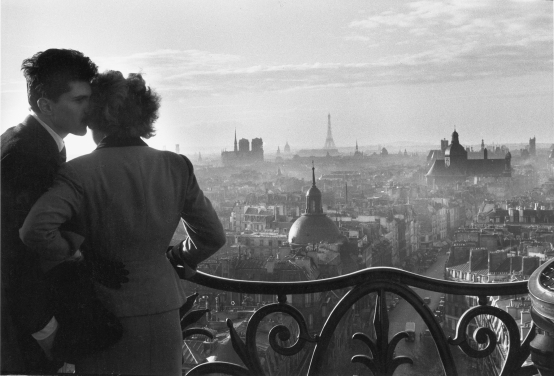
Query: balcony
{"x": 357, "y": 335}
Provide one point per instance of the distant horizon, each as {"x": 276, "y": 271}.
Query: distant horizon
{"x": 272, "y": 148}
{"x": 385, "y": 70}
{"x": 423, "y": 148}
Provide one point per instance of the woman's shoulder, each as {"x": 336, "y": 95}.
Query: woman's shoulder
{"x": 179, "y": 159}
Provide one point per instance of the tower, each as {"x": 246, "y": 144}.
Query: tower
{"x": 357, "y": 153}
{"x": 313, "y": 226}
{"x": 329, "y": 143}
{"x": 236, "y": 140}
{"x": 455, "y": 154}
{"x": 444, "y": 145}
{"x": 287, "y": 147}
{"x": 313, "y": 197}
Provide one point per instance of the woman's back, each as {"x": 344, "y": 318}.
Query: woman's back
{"x": 131, "y": 204}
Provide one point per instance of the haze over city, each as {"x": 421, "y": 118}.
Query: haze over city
{"x": 386, "y": 71}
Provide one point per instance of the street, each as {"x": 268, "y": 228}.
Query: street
{"x": 423, "y": 350}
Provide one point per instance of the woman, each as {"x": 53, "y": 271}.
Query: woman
{"x": 126, "y": 199}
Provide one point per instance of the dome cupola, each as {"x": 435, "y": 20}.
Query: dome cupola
{"x": 455, "y": 139}
{"x": 313, "y": 226}
{"x": 313, "y": 197}
{"x": 455, "y": 152}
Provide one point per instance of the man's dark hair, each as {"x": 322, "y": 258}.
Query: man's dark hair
{"x": 49, "y": 73}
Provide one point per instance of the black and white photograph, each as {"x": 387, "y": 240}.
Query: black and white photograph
{"x": 272, "y": 187}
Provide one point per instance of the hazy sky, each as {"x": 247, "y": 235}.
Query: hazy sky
{"x": 386, "y": 70}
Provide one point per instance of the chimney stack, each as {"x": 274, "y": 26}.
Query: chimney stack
{"x": 270, "y": 265}
{"x": 476, "y": 257}
{"x": 496, "y": 259}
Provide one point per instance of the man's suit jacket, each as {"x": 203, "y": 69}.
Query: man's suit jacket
{"x": 126, "y": 199}
{"x": 29, "y": 162}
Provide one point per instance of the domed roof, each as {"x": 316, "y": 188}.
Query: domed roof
{"x": 314, "y": 228}
{"x": 313, "y": 192}
{"x": 455, "y": 148}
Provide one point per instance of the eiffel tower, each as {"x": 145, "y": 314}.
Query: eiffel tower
{"x": 329, "y": 143}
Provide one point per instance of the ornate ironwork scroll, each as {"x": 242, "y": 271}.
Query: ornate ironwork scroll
{"x": 382, "y": 359}
{"x": 518, "y": 351}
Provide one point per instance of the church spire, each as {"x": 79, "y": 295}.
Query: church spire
{"x": 455, "y": 139}
{"x": 236, "y": 140}
{"x": 313, "y": 197}
{"x": 313, "y": 174}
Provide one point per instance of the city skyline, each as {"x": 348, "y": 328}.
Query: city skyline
{"x": 386, "y": 71}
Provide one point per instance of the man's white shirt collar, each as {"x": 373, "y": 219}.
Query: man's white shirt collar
{"x": 55, "y": 136}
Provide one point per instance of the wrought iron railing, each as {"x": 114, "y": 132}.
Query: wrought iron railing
{"x": 379, "y": 357}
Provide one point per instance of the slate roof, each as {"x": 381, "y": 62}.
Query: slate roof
{"x": 314, "y": 228}
{"x": 504, "y": 267}
{"x": 486, "y": 167}
{"x": 470, "y": 167}
{"x": 439, "y": 169}
{"x": 251, "y": 264}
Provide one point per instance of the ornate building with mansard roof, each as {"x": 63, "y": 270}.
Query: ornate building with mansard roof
{"x": 455, "y": 166}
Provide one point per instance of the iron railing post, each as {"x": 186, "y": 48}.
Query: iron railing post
{"x": 541, "y": 291}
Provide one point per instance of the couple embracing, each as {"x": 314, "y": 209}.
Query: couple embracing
{"x": 113, "y": 212}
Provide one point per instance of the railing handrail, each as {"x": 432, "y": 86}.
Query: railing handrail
{"x": 358, "y": 277}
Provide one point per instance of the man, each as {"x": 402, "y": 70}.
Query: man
{"x": 58, "y": 91}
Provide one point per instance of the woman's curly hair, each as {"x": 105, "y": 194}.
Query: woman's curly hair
{"x": 123, "y": 107}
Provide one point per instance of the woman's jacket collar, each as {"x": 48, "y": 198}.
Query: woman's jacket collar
{"x": 117, "y": 142}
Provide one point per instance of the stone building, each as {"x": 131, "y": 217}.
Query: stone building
{"x": 456, "y": 167}
{"x": 242, "y": 154}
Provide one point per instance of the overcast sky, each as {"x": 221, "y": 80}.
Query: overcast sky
{"x": 386, "y": 70}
